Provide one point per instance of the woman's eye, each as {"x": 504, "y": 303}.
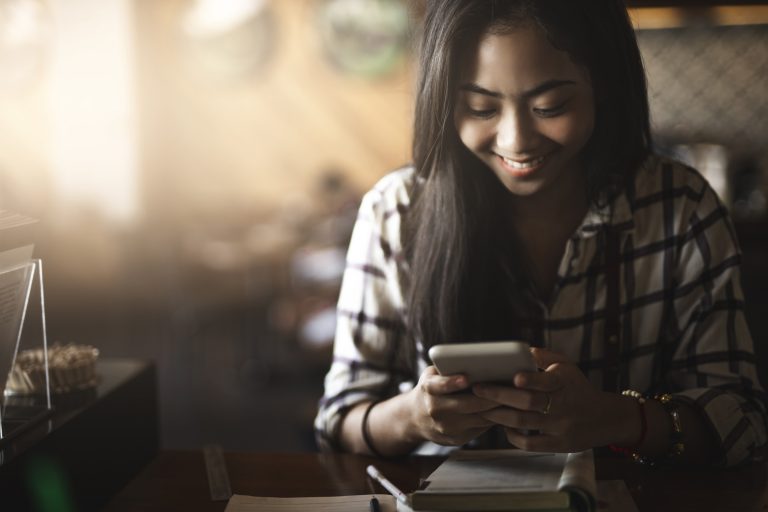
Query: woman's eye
{"x": 481, "y": 113}
{"x": 550, "y": 112}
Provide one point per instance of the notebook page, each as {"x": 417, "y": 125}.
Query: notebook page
{"x": 358, "y": 503}
{"x": 579, "y": 476}
{"x": 497, "y": 471}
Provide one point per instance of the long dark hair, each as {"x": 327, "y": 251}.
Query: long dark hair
{"x": 465, "y": 279}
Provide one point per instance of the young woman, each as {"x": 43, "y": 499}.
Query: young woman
{"x": 535, "y": 211}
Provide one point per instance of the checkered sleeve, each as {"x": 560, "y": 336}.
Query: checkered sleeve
{"x": 368, "y": 358}
{"x": 713, "y": 366}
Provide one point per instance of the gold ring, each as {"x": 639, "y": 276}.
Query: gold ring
{"x": 549, "y": 404}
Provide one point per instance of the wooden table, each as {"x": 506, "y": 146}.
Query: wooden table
{"x": 176, "y": 480}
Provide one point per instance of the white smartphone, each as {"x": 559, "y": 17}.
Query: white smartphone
{"x": 497, "y": 361}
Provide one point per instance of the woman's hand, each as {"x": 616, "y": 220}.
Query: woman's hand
{"x": 568, "y": 412}
{"x": 443, "y": 416}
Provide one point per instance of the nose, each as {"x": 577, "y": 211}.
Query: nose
{"x": 515, "y": 133}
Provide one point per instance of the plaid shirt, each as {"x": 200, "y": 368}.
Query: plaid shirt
{"x": 681, "y": 309}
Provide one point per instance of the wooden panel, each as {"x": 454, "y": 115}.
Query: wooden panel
{"x": 692, "y": 3}
{"x": 680, "y": 16}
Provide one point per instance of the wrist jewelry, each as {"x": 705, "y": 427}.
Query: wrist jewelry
{"x": 632, "y": 452}
{"x": 366, "y": 432}
{"x": 677, "y": 445}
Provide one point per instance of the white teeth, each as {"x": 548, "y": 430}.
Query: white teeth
{"x": 523, "y": 165}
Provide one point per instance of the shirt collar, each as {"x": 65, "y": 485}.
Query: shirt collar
{"x": 615, "y": 213}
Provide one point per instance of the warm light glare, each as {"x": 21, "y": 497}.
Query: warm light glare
{"x": 23, "y": 37}
{"x": 212, "y": 17}
{"x": 92, "y": 105}
{"x": 21, "y": 24}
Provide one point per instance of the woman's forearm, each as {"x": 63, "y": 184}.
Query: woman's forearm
{"x": 390, "y": 427}
{"x": 700, "y": 445}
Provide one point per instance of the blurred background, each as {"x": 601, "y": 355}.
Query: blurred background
{"x": 196, "y": 166}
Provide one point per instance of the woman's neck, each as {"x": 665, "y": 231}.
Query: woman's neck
{"x": 565, "y": 203}
{"x": 543, "y": 224}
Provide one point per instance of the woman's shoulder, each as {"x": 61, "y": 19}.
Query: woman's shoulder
{"x": 384, "y": 207}
{"x": 659, "y": 174}
{"x": 663, "y": 187}
{"x": 393, "y": 192}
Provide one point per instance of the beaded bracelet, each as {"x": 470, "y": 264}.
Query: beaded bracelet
{"x": 366, "y": 432}
{"x": 677, "y": 445}
{"x": 632, "y": 452}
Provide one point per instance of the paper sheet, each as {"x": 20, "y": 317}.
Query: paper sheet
{"x": 357, "y": 503}
{"x": 15, "y": 275}
{"x": 9, "y": 219}
{"x": 613, "y": 496}
{"x": 14, "y": 258}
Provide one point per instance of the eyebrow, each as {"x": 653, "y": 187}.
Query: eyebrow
{"x": 539, "y": 89}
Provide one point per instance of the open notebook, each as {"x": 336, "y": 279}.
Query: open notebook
{"x": 613, "y": 497}
{"x": 359, "y": 503}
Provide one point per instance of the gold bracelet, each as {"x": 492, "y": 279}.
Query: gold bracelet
{"x": 677, "y": 445}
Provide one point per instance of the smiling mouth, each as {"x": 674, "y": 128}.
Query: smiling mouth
{"x": 524, "y": 165}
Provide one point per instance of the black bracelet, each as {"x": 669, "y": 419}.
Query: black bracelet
{"x": 366, "y": 433}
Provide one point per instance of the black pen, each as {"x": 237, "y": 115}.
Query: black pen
{"x": 373, "y": 505}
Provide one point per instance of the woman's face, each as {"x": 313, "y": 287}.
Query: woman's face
{"x": 525, "y": 110}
